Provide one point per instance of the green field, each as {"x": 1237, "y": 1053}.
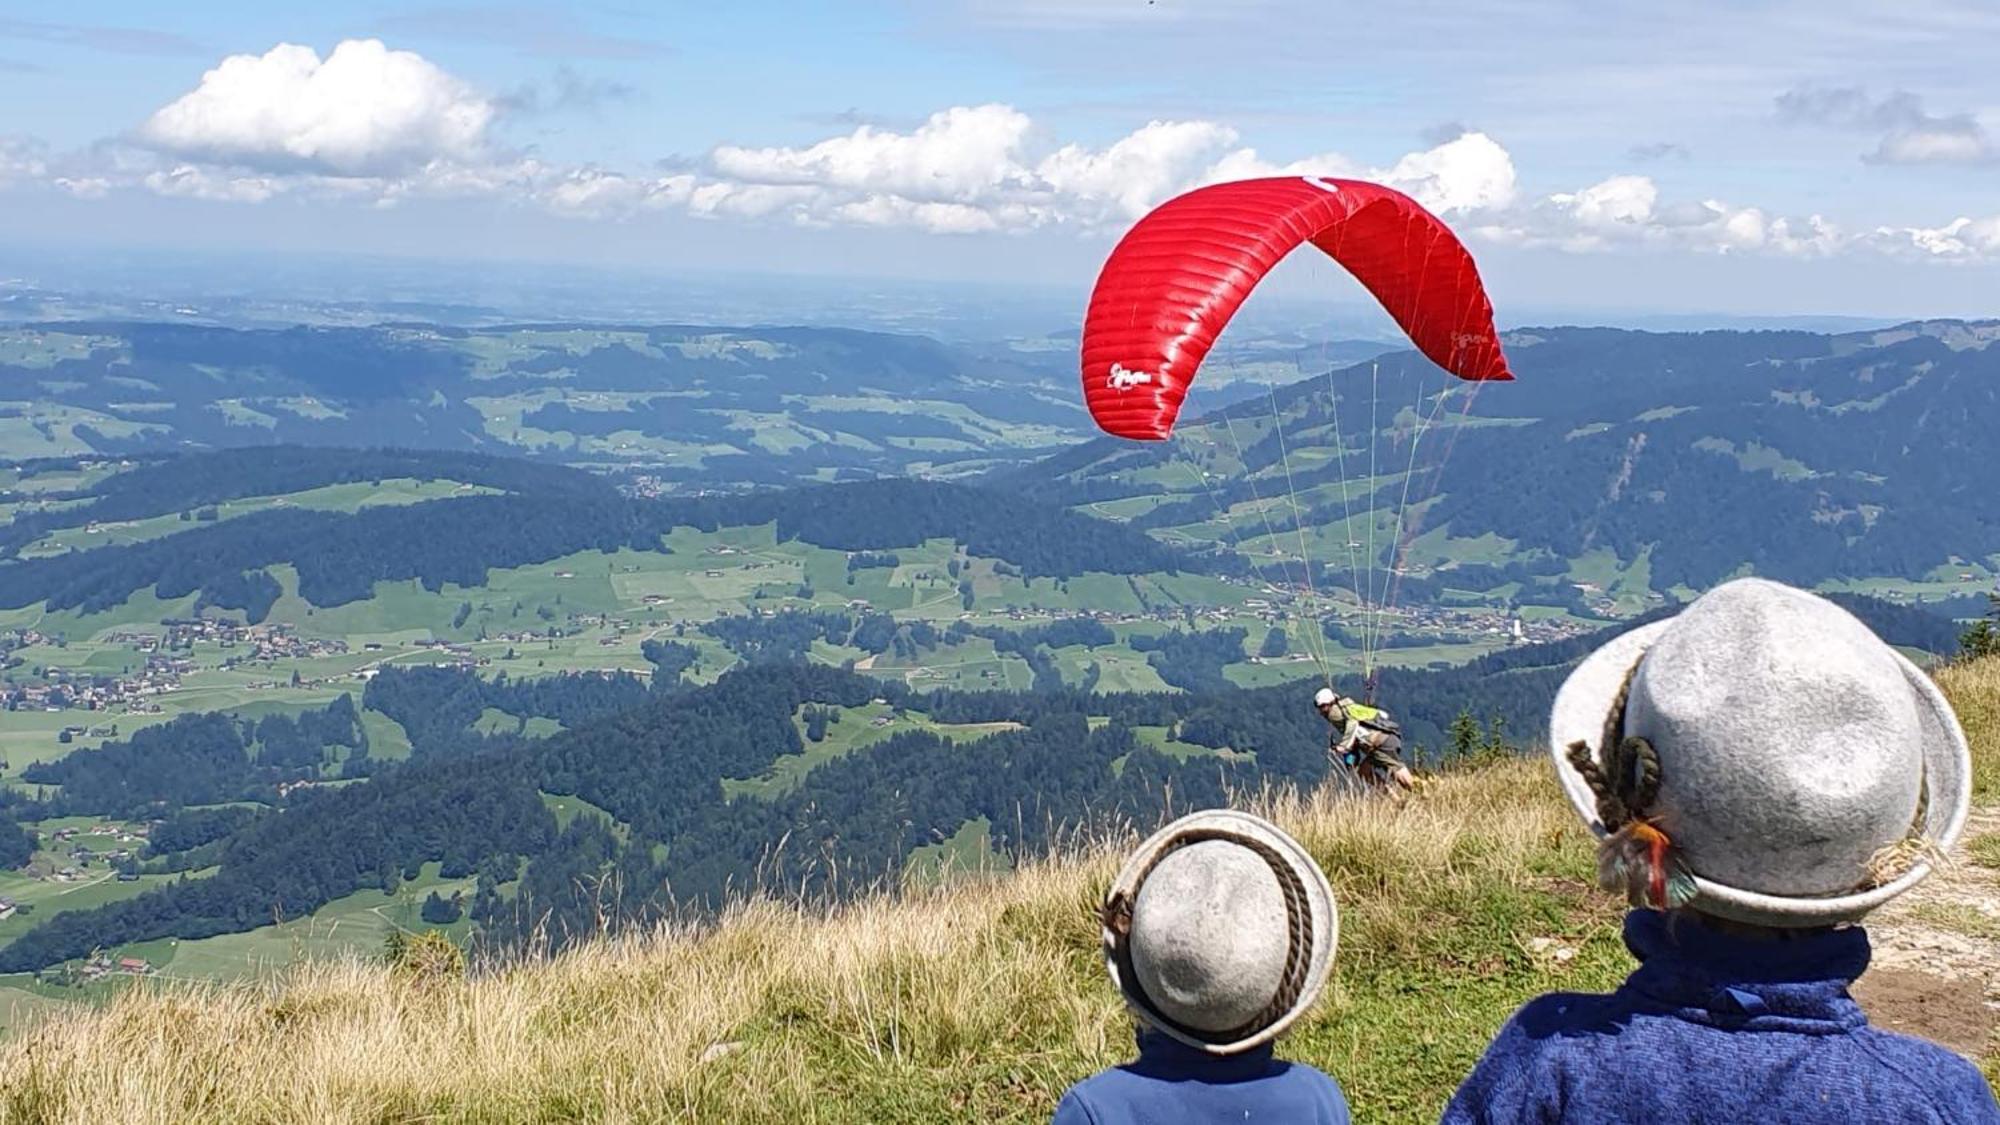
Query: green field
{"x": 331, "y": 498}
{"x": 1163, "y": 740}
{"x": 356, "y": 925}
{"x": 40, "y": 891}
{"x": 1628, "y": 586}
{"x": 1957, "y": 578}
{"x": 966, "y": 853}
{"x": 568, "y": 808}
{"x": 856, "y": 728}
{"x": 1118, "y": 668}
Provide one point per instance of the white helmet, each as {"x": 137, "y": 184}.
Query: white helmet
{"x": 1324, "y": 697}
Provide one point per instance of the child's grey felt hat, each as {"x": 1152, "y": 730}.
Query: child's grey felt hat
{"x": 1219, "y": 930}
{"x": 1793, "y": 748}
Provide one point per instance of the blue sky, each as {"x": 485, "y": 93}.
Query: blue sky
{"x": 1764, "y": 156}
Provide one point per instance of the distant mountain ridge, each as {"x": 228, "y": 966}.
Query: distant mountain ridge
{"x": 774, "y": 403}
{"x": 1803, "y": 456}
{"x": 1679, "y": 457}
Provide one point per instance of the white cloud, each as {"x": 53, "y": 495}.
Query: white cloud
{"x": 1471, "y": 173}
{"x": 966, "y": 169}
{"x": 595, "y": 193}
{"x": 1468, "y": 173}
{"x": 941, "y": 218}
{"x": 1951, "y": 142}
{"x": 1962, "y": 239}
{"x": 963, "y": 153}
{"x": 364, "y": 110}
{"x": 1909, "y": 133}
{"x": 1628, "y": 211}
{"x": 1813, "y": 236}
{"x": 1246, "y": 164}
{"x": 1136, "y": 172}
{"x": 192, "y": 182}
{"x": 1618, "y": 201}
{"x": 985, "y": 159}
{"x": 21, "y": 158}
{"x": 373, "y": 125}
{"x": 753, "y": 201}
{"x": 84, "y": 187}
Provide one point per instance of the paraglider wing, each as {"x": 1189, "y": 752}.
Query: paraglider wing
{"x": 1175, "y": 279}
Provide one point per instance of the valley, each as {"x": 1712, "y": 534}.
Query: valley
{"x": 1083, "y": 630}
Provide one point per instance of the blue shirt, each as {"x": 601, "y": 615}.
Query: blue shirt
{"x": 1717, "y": 1028}
{"x": 1171, "y": 1083}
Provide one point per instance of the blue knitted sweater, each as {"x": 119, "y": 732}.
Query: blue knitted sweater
{"x": 1718, "y": 1028}
{"x": 1174, "y": 1084}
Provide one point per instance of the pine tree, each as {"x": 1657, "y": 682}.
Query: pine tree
{"x": 1463, "y": 736}
{"x": 1982, "y": 637}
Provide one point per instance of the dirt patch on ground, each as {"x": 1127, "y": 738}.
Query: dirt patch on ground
{"x": 1935, "y": 1007}
{"x": 1936, "y": 970}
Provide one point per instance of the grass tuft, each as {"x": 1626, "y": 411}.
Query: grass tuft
{"x": 1984, "y": 850}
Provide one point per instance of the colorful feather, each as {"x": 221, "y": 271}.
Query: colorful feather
{"x": 1641, "y": 862}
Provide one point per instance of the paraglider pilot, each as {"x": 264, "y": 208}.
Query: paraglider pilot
{"x": 1366, "y": 739}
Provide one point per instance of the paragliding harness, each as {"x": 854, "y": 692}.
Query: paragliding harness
{"x": 1373, "y": 719}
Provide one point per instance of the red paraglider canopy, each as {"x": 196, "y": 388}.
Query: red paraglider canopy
{"x": 1180, "y": 273}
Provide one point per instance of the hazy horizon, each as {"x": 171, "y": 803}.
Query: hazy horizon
{"x": 1791, "y": 159}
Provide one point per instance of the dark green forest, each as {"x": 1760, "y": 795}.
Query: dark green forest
{"x": 656, "y": 759}
{"x": 340, "y": 556}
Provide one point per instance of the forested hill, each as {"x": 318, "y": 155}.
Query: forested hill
{"x": 669, "y": 770}
{"x": 688, "y": 775}
{"x": 340, "y": 555}
{"x": 1041, "y": 539}
{"x": 1805, "y": 456}
{"x": 172, "y": 484}
{"x": 761, "y": 404}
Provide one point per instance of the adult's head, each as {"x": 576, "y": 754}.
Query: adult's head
{"x": 1800, "y": 768}
{"x": 1220, "y": 930}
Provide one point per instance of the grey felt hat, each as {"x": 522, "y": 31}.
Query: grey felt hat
{"x": 1792, "y": 746}
{"x": 1220, "y": 930}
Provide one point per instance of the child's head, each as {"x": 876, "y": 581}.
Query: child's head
{"x": 1763, "y": 758}
{"x": 1220, "y": 930}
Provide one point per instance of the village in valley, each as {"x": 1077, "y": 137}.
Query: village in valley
{"x": 159, "y": 659}
{"x": 74, "y": 680}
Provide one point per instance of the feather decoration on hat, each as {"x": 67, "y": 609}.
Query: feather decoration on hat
{"x": 1637, "y": 859}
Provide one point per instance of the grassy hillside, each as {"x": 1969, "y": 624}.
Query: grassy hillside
{"x": 980, "y": 1001}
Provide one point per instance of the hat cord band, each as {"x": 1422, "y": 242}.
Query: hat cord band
{"x": 1628, "y": 781}
{"x": 1635, "y": 856}
{"x": 1298, "y": 931}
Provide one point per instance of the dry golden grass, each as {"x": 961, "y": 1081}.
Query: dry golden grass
{"x": 978, "y": 1002}
{"x": 1974, "y": 688}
